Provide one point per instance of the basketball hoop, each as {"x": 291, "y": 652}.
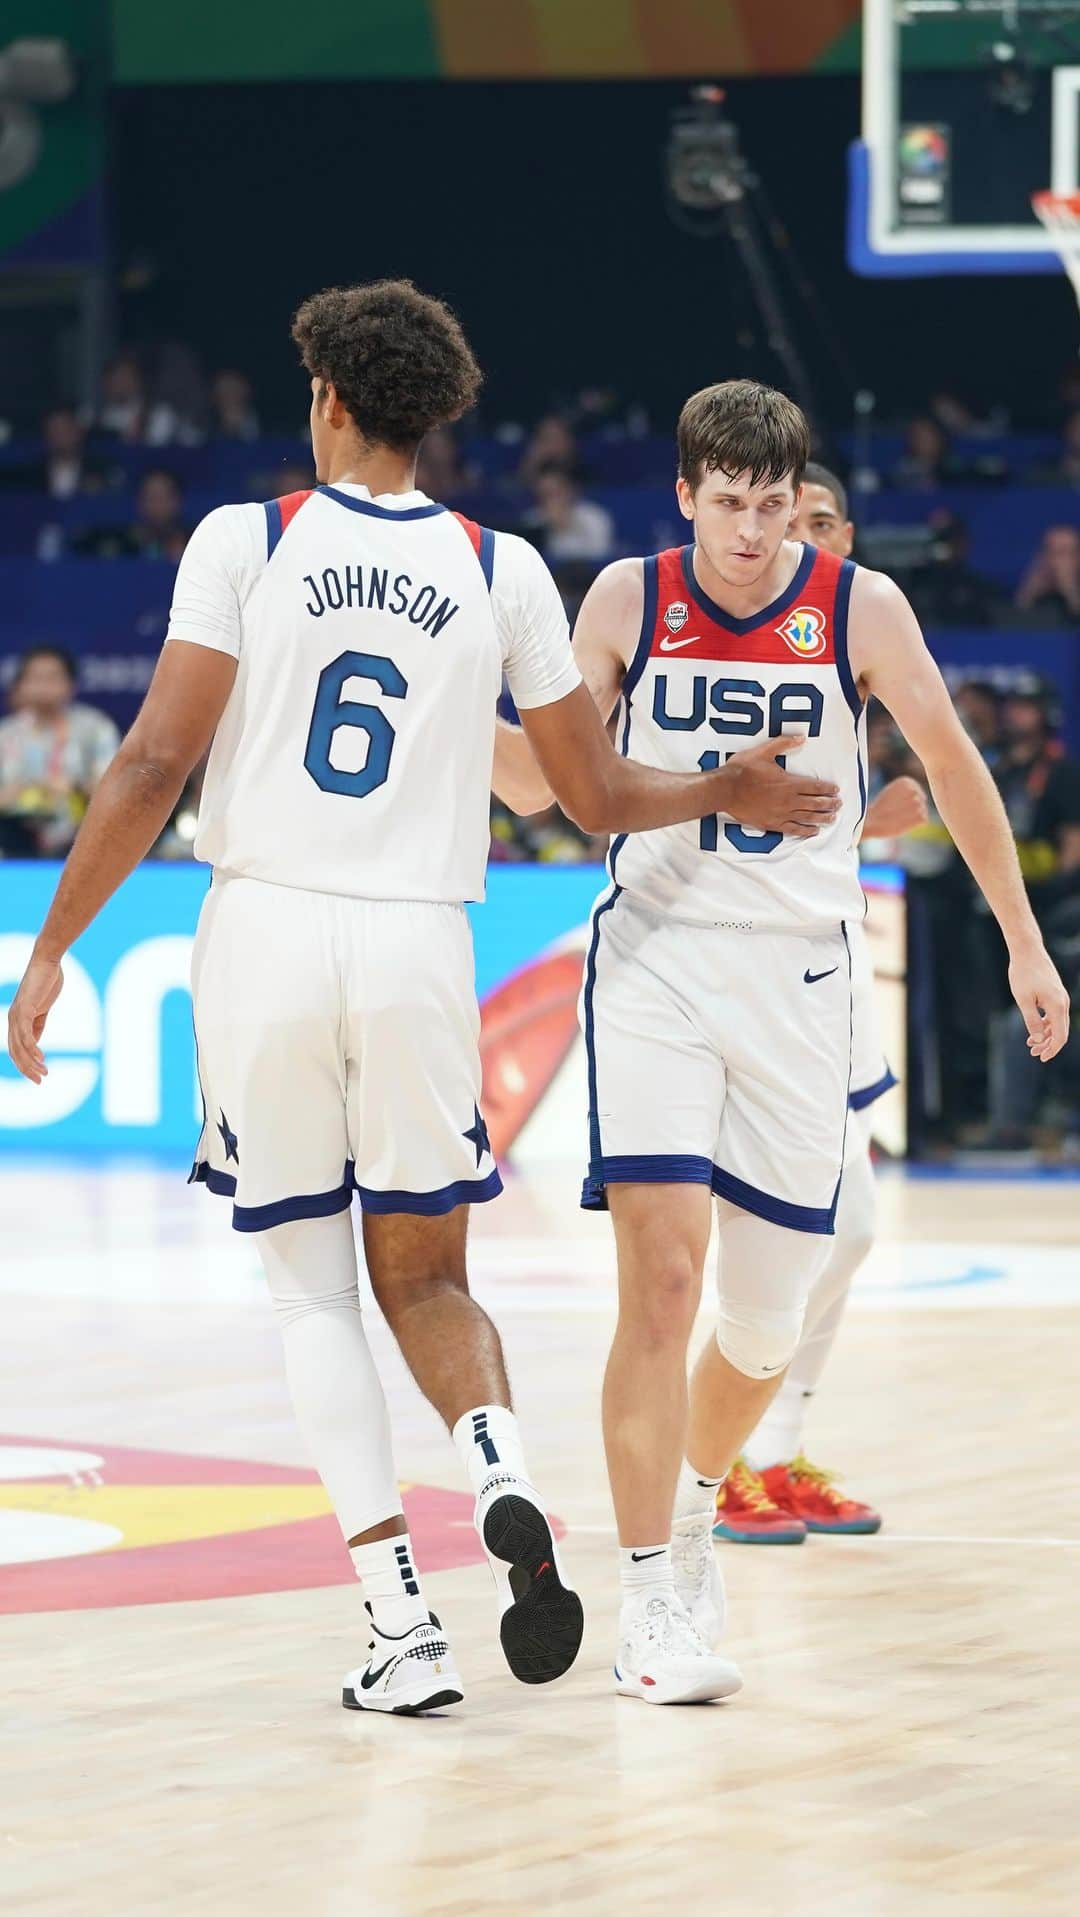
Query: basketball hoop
{"x": 1060, "y": 214}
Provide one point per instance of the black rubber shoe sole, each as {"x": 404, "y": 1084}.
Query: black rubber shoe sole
{"x": 541, "y": 1632}
{"x": 438, "y": 1701}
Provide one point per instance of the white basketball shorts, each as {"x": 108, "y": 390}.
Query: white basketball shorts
{"x": 717, "y": 1057}
{"x": 337, "y": 1044}
{"x": 870, "y": 1072}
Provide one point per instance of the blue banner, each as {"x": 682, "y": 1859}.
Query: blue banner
{"x": 119, "y": 1042}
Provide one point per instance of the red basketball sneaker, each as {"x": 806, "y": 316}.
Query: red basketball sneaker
{"x": 746, "y": 1514}
{"x": 804, "y": 1491}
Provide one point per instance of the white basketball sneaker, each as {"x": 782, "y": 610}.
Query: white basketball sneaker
{"x": 541, "y": 1621}
{"x": 664, "y": 1660}
{"x": 698, "y": 1578}
{"x": 405, "y": 1675}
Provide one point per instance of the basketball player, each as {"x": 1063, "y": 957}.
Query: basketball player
{"x": 717, "y": 1001}
{"x": 343, "y": 650}
{"x": 773, "y": 1494}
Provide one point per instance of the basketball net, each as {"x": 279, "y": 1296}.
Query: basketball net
{"x": 1060, "y": 214}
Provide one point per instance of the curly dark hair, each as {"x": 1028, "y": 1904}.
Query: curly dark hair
{"x": 398, "y": 358}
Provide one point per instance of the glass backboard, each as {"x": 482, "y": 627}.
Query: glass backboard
{"x": 969, "y": 107}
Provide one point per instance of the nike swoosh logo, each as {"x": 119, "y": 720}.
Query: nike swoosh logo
{"x": 370, "y": 1678}
{"x": 639, "y": 1557}
{"x": 673, "y": 645}
{"x": 811, "y": 978}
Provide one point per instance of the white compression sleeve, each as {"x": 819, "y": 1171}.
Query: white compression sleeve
{"x": 765, "y": 1276}
{"x": 855, "y": 1221}
{"x": 336, "y": 1391}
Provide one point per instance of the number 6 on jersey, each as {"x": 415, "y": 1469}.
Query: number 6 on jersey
{"x": 332, "y": 711}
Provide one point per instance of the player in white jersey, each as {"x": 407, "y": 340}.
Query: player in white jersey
{"x": 774, "y": 1494}
{"x": 343, "y": 650}
{"x": 717, "y": 1001}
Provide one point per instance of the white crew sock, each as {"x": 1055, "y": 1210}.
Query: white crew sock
{"x": 777, "y": 1437}
{"x": 645, "y": 1571}
{"x": 488, "y": 1439}
{"x": 695, "y": 1494}
{"x": 390, "y": 1584}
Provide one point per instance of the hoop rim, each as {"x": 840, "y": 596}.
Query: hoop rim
{"x": 1052, "y": 207}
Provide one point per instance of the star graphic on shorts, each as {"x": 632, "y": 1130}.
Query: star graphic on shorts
{"x": 478, "y": 1135}
{"x": 229, "y": 1140}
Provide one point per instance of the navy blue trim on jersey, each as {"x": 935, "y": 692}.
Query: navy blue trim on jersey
{"x": 655, "y": 1168}
{"x": 596, "y": 1150}
{"x": 272, "y": 509}
{"x": 840, "y": 636}
{"x": 650, "y": 592}
{"x": 373, "y": 511}
{"x": 742, "y": 626}
{"x": 844, "y": 673}
{"x": 486, "y": 554}
{"x": 282, "y": 1211}
{"x": 432, "y": 1204}
{"x": 858, "y": 1101}
{"x": 812, "y": 1218}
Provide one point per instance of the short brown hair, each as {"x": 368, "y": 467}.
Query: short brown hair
{"x": 398, "y": 358}
{"x": 741, "y": 426}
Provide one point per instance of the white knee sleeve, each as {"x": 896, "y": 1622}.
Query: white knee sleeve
{"x": 765, "y": 1276}
{"x": 856, "y": 1214}
{"x": 311, "y": 1269}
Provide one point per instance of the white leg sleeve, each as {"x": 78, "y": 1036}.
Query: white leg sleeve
{"x": 855, "y": 1223}
{"x": 311, "y": 1269}
{"x": 765, "y": 1277}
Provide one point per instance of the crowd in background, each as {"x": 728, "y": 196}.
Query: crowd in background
{"x": 970, "y": 1085}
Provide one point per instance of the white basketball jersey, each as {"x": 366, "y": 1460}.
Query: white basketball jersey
{"x": 354, "y": 754}
{"x": 703, "y": 685}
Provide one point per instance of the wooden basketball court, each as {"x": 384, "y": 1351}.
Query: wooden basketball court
{"x": 906, "y": 1740}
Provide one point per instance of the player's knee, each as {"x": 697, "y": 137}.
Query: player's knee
{"x": 760, "y": 1343}
{"x": 662, "y": 1308}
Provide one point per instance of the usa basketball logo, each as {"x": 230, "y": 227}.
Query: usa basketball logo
{"x": 804, "y": 631}
{"x": 676, "y": 616}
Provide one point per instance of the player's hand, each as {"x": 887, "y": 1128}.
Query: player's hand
{"x": 899, "y": 808}
{"x": 1042, "y": 999}
{"x": 43, "y": 982}
{"x": 757, "y": 792}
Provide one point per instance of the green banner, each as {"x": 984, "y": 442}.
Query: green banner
{"x": 50, "y": 212}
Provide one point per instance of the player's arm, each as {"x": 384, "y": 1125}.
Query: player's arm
{"x": 139, "y": 791}
{"x": 611, "y": 608}
{"x": 890, "y": 659}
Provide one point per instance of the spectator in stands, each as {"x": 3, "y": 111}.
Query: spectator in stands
{"x": 925, "y": 464}
{"x": 127, "y": 413}
{"x": 978, "y": 706}
{"x": 66, "y": 470}
{"x": 53, "y": 753}
{"x": 440, "y": 472}
{"x": 232, "y": 407}
{"x": 156, "y": 532}
{"x": 565, "y": 525}
{"x": 947, "y": 592}
{"x": 1050, "y": 588}
{"x": 1040, "y": 788}
{"x": 552, "y": 443}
